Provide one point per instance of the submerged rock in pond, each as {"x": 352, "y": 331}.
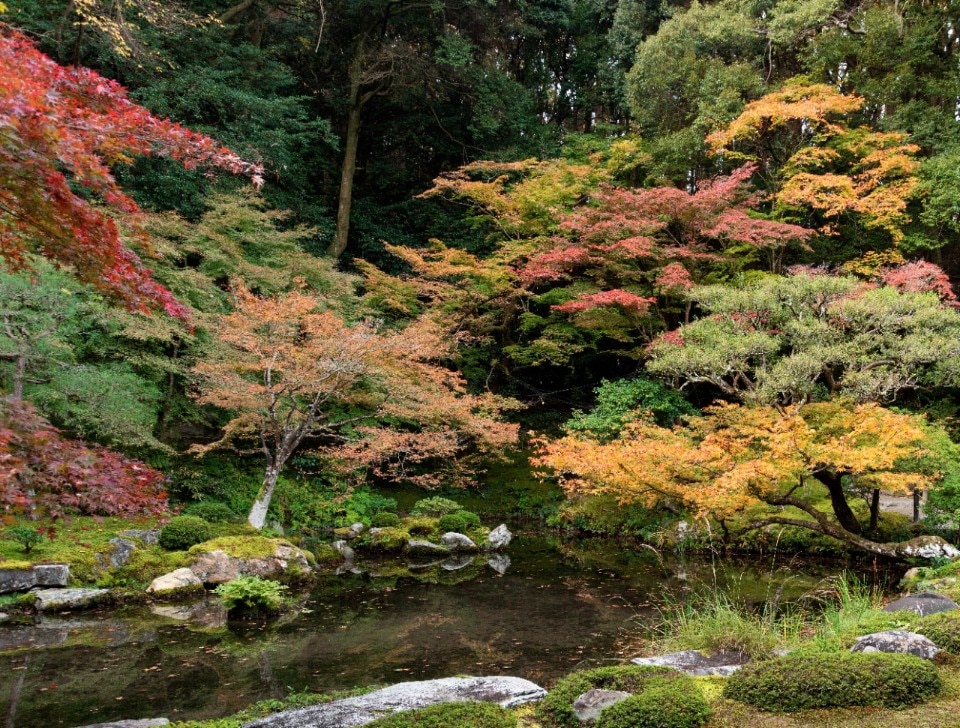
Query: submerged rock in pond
{"x": 909, "y": 643}
{"x": 499, "y": 563}
{"x": 500, "y": 537}
{"x": 209, "y": 614}
{"x": 923, "y": 604}
{"x": 176, "y": 581}
{"x": 506, "y": 691}
{"x": 418, "y": 547}
{"x": 587, "y": 707}
{"x": 695, "y": 662}
{"x": 457, "y": 541}
{"x": 143, "y": 723}
{"x": 70, "y": 598}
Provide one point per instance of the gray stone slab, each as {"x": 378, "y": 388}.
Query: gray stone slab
{"x": 144, "y": 723}
{"x": 49, "y": 599}
{"x": 694, "y": 662}
{"x": 923, "y": 604}
{"x": 52, "y": 575}
{"x": 909, "y": 643}
{"x": 505, "y": 691}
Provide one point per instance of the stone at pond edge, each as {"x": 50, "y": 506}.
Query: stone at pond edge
{"x": 218, "y": 567}
{"x": 927, "y": 547}
{"x": 345, "y": 551}
{"x": 500, "y": 537}
{"x": 179, "y": 580}
{"x": 505, "y": 691}
{"x": 694, "y": 662}
{"x": 52, "y": 574}
{"x": 69, "y": 598}
{"x": 19, "y": 580}
{"x": 587, "y": 707}
{"x": 145, "y": 723}
{"x": 457, "y": 541}
{"x": 909, "y": 643}
{"x": 923, "y": 604}
{"x": 417, "y": 547}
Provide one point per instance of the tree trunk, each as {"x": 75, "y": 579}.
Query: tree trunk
{"x": 19, "y": 374}
{"x": 874, "y": 510}
{"x": 838, "y": 500}
{"x": 916, "y": 504}
{"x": 349, "y": 167}
{"x": 258, "y": 512}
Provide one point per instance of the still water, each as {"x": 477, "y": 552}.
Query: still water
{"x": 557, "y": 606}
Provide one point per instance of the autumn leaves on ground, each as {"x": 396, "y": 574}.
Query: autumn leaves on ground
{"x": 697, "y": 260}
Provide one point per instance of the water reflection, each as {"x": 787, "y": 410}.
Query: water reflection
{"x": 537, "y": 612}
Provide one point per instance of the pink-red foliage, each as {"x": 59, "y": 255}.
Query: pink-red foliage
{"x": 919, "y": 277}
{"x": 44, "y": 473}
{"x": 69, "y": 125}
{"x": 617, "y": 297}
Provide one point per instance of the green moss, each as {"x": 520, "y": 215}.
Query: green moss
{"x": 662, "y": 704}
{"x": 241, "y": 547}
{"x": 943, "y": 629}
{"x": 556, "y": 710}
{"x": 385, "y": 520}
{"x": 834, "y": 680}
{"x": 16, "y": 565}
{"x": 327, "y": 554}
{"x": 450, "y": 715}
{"x": 385, "y": 539}
{"x": 145, "y": 565}
{"x": 419, "y": 525}
{"x": 269, "y": 707}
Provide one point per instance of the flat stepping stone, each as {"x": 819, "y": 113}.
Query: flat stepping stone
{"x": 505, "y": 691}
{"x": 48, "y": 599}
{"x": 695, "y": 662}
{"x": 923, "y": 604}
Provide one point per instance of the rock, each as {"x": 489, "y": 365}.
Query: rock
{"x": 694, "y": 662}
{"x": 457, "y": 541}
{"x": 218, "y": 567}
{"x": 17, "y": 580}
{"x": 209, "y": 614}
{"x": 923, "y": 604}
{"x": 344, "y": 550}
{"x": 928, "y": 547}
{"x": 911, "y": 574}
{"x": 506, "y": 691}
{"x": 52, "y": 574}
{"x": 499, "y": 563}
{"x": 148, "y": 537}
{"x": 175, "y": 581}
{"x": 500, "y": 537}
{"x": 909, "y": 643}
{"x": 144, "y": 723}
{"x": 4, "y": 617}
{"x": 122, "y": 548}
{"x": 457, "y": 562}
{"x": 357, "y": 527}
{"x": 587, "y": 707}
{"x": 69, "y": 598}
{"x": 417, "y": 547}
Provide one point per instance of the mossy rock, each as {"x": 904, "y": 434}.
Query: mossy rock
{"x": 327, "y": 554}
{"x": 943, "y": 629}
{"x": 450, "y": 715}
{"x": 662, "y": 704}
{"x": 834, "y": 680}
{"x": 420, "y": 526}
{"x": 16, "y": 565}
{"x": 385, "y": 520}
{"x": 385, "y": 539}
{"x": 556, "y": 710}
{"x": 144, "y": 565}
{"x": 242, "y": 547}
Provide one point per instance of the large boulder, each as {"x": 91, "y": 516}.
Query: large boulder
{"x": 418, "y": 547}
{"x": 176, "y": 581}
{"x": 499, "y": 538}
{"x": 909, "y": 643}
{"x": 219, "y": 567}
{"x": 694, "y": 662}
{"x": 927, "y": 547}
{"x": 923, "y": 604}
{"x": 43, "y": 575}
{"x": 505, "y": 691}
{"x": 457, "y": 541}
{"x": 587, "y": 707}
{"x": 63, "y": 599}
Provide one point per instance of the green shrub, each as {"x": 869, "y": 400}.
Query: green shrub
{"x": 183, "y": 532}
{"x": 556, "y": 710}
{"x": 943, "y": 629}
{"x": 435, "y": 507}
{"x": 834, "y": 680}
{"x": 26, "y": 536}
{"x": 251, "y": 594}
{"x": 385, "y": 520}
{"x": 461, "y": 521}
{"x": 420, "y": 526}
{"x": 662, "y": 704}
{"x": 450, "y": 715}
{"x": 212, "y": 512}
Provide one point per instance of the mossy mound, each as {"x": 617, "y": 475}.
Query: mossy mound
{"x": 385, "y": 539}
{"x": 943, "y": 629}
{"x": 183, "y": 532}
{"x": 556, "y": 710}
{"x": 385, "y": 520}
{"x": 242, "y": 547}
{"x": 662, "y": 704}
{"x": 461, "y": 521}
{"x": 450, "y": 715}
{"x": 422, "y": 526}
{"x": 834, "y": 680}
{"x": 327, "y": 554}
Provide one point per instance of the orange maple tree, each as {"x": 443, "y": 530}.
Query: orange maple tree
{"x": 291, "y": 371}
{"x": 735, "y": 457}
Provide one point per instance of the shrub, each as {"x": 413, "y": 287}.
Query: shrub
{"x": 834, "y": 680}
{"x": 421, "y": 526}
{"x": 251, "y": 594}
{"x": 26, "y": 536}
{"x": 450, "y": 715}
{"x": 385, "y": 520}
{"x": 461, "y": 521}
{"x": 662, "y": 704}
{"x": 435, "y": 507}
{"x": 212, "y": 512}
{"x": 556, "y": 710}
{"x": 183, "y": 532}
{"x": 943, "y": 629}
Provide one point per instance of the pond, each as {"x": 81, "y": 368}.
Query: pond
{"x": 556, "y": 606}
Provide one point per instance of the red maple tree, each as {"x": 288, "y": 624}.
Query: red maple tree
{"x": 61, "y": 131}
